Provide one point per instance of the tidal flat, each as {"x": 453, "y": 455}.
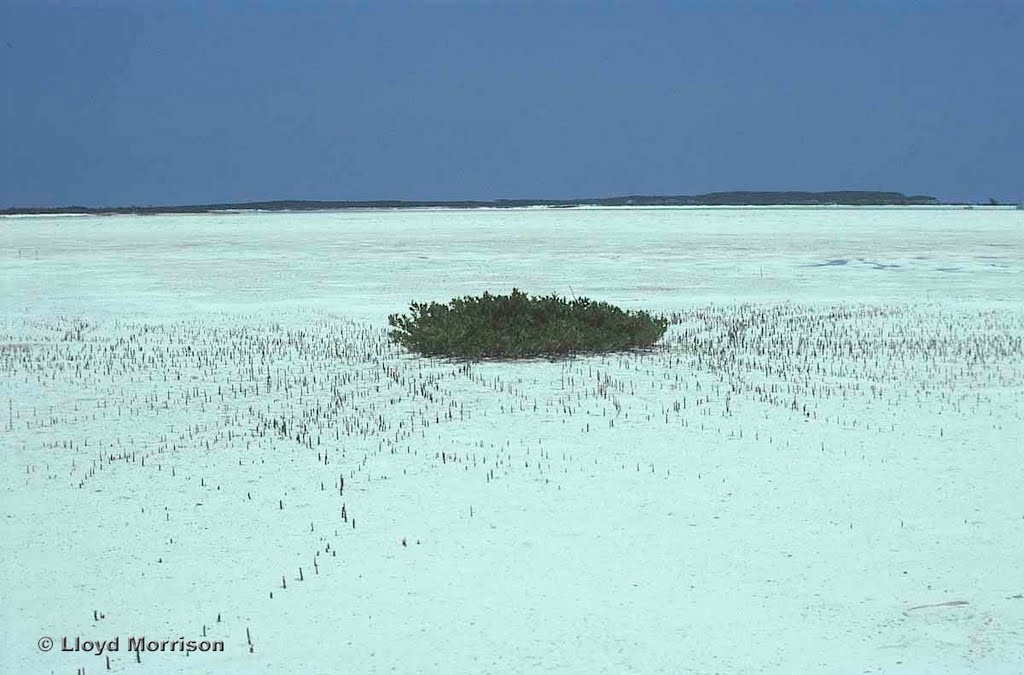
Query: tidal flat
{"x": 208, "y": 437}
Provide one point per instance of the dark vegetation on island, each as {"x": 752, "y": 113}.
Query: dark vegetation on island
{"x": 841, "y": 198}
{"x": 519, "y": 326}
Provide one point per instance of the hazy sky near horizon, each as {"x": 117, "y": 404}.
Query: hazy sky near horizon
{"x": 157, "y": 102}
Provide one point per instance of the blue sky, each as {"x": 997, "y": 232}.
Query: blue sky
{"x": 146, "y": 102}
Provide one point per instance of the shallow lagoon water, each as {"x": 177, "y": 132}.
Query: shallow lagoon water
{"x": 369, "y": 264}
{"x": 666, "y": 512}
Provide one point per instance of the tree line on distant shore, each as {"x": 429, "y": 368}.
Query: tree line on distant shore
{"x": 839, "y": 198}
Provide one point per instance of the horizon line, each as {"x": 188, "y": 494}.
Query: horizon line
{"x": 718, "y": 198}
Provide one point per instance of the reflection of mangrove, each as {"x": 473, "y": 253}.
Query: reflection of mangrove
{"x": 520, "y": 326}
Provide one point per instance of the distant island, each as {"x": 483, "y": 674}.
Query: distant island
{"x": 839, "y": 198}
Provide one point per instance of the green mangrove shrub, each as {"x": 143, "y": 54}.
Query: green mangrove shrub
{"x": 521, "y": 326}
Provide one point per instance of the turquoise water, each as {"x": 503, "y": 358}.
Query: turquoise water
{"x": 371, "y": 263}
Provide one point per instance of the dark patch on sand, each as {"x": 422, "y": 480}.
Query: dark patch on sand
{"x": 832, "y": 262}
